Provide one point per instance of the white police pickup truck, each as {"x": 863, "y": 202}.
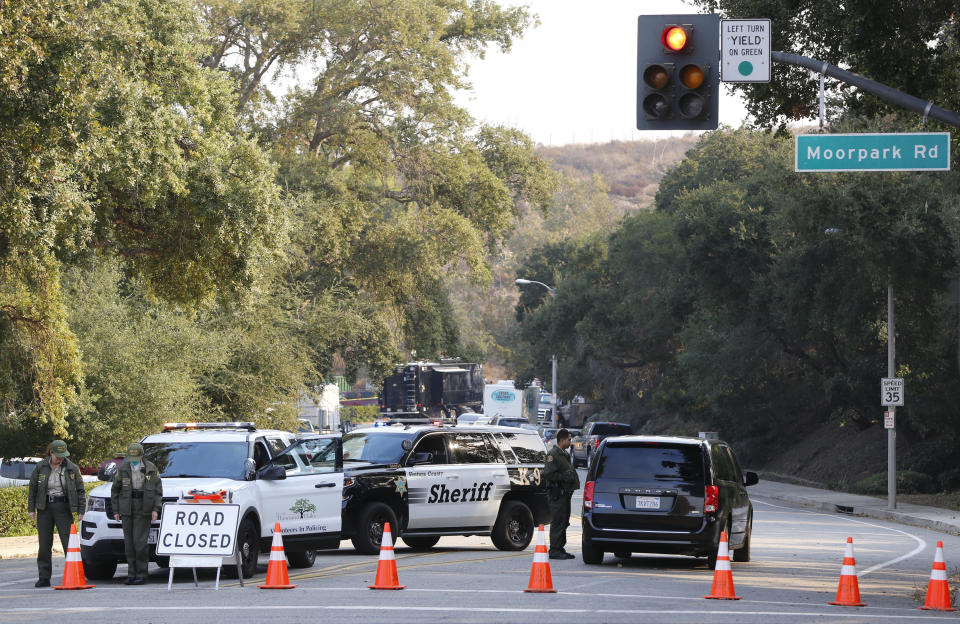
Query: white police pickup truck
{"x": 427, "y": 481}
{"x": 244, "y": 461}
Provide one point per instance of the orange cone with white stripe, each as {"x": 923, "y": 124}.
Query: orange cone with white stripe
{"x": 938, "y": 589}
{"x": 722, "y": 588}
{"x": 541, "y": 582}
{"x": 73, "y": 577}
{"x": 848, "y": 591}
{"x": 387, "y": 565}
{"x": 277, "y": 577}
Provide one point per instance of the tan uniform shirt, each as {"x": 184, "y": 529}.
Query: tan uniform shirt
{"x": 55, "y": 481}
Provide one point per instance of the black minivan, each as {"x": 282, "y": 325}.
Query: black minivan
{"x": 672, "y": 495}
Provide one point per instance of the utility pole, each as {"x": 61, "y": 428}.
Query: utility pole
{"x": 891, "y": 432}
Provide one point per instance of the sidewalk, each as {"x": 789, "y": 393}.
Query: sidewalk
{"x": 16, "y": 547}
{"x": 830, "y": 501}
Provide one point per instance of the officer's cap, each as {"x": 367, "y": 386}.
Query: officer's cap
{"x": 59, "y": 448}
{"x": 135, "y": 451}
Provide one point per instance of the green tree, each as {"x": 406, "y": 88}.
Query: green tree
{"x": 115, "y": 139}
{"x": 910, "y": 46}
{"x": 303, "y": 506}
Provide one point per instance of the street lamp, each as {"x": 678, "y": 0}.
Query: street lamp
{"x": 553, "y": 359}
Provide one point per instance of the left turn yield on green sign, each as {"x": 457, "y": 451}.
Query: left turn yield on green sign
{"x": 916, "y": 151}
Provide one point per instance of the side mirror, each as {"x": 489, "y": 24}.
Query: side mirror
{"x": 249, "y": 469}
{"x": 108, "y": 472}
{"x": 750, "y": 478}
{"x": 420, "y": 458}
{"x": 272, "y": 472}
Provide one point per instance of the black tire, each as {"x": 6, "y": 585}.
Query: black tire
{"x": 514, "y": 527}
{"x": 99, "y": 570}
{"x": 248, "y": 544}
{"x": 301, "y": 558}
{"x": 370, "y": 527}
{"x": 742, "y": 554}
{"x": 591, "y": 554}
{"x": 421, "y": 543}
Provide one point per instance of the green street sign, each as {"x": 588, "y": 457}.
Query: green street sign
{"x": 916, "y": 151}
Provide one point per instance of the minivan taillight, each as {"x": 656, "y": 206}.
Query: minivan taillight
{"x": 711, "y": 498}
{"x": 596, "y": 443}
{"x": 588, "y": 494}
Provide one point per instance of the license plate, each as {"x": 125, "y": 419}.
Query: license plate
{"x": 647, "y": 502}
{"x": 152, "y": 538}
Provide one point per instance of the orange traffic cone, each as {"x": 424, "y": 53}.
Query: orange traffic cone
{"x": 387, "y": 565}
{"x": 722, "y": 588}
{"x": 848, "y": 591}
{"x": 73, "y": 577}
{"x": 938, "y": 589}
{"x": 540, "y": 580}
{"x": 277, "y": 577}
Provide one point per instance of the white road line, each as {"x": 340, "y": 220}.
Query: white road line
{"x": 23, "y": 580}
{"x": 780, "y": 615}
{"x": 921, "y": 545}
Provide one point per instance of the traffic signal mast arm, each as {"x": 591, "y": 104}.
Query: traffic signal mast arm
{"x": 881, "y": 90}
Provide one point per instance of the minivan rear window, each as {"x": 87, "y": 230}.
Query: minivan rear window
{"x": 611, "y": 429}
{"x": 658, "y": 462}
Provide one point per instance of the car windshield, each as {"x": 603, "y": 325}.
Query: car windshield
{"x": 511, "y": 422}
{"x": 197, "y": 459}
{"x": 374, "y": 447}
{"x": 545, "y": 400}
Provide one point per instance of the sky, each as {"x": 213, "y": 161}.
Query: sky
{"x": 573, "y": 78}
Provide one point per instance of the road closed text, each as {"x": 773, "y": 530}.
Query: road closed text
{"x": 198, "y": 529}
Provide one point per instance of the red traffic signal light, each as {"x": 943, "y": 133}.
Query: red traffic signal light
{"x": 674, "y": 38}
{"x": 677, "y": 82}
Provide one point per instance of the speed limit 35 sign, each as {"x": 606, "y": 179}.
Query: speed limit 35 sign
{"x": 891, "y": 391}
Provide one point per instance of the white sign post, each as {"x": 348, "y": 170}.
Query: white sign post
{"x": 199, "y": 535}
{"x": 891, "y": 391}
{"x": 745, "y": 50}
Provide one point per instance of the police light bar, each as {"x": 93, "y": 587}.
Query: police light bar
{"x": 249, "y": 426}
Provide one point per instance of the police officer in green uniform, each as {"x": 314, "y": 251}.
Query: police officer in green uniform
{"x": 136, "y": 497}
{"x": 562, "y": 481}
{"x": 55, "y": 493}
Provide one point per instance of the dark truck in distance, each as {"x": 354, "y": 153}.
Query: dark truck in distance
{"x": 585, "y": 444}
{"x": 429, "y": 390}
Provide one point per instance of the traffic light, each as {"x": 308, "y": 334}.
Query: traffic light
{"x": 678, "y": 84}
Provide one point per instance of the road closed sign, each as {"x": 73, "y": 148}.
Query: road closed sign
{"x": 198, "y": 529}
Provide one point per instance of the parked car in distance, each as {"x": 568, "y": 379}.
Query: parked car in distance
{"x": 509, "y": 421}
{"x": 18, "y": 467}
{"x": 472, "y": 418}
{"x": 589, "y": 439}
{"x": 674, "y": 495}
{"x": 549, "y": 435}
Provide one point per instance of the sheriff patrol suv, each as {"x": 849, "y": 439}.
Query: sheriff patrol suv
{"x": 431, "y": 481}
{"x": 246, "y": 462}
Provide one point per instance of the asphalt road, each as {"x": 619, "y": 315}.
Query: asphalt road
{"x": 797, "y": 555}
